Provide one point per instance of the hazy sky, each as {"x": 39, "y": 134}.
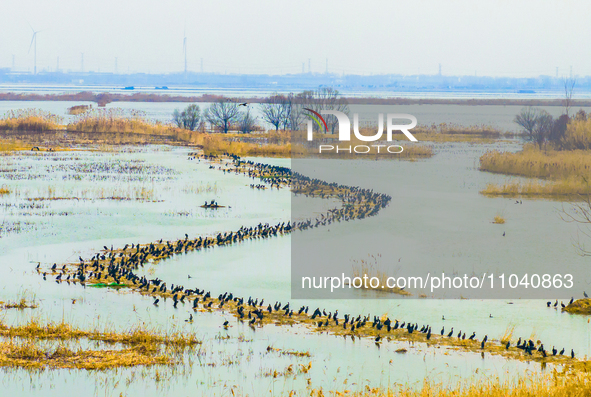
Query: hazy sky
{"x": 496, "y": 37}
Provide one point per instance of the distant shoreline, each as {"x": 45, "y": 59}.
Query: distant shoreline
{"x": 104, "y": 98}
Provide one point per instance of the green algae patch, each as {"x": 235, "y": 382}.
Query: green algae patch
{"x": 105, "y": 285}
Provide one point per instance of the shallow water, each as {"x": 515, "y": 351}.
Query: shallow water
{"x": 61, "y": 230}
{"x": 500, "y": 117}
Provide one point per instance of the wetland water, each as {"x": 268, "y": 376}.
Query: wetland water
{"x": 500, "y": 117}
{"x": 166, "y": 190}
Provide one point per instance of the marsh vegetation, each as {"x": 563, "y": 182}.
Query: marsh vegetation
{"x": 559, "y": 154}
{"x": 40, "y": 344}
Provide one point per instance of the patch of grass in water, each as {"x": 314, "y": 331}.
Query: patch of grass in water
{"x": 499, "y": 220}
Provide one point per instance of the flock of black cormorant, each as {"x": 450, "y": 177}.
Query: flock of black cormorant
{"x": 117, "y": 267}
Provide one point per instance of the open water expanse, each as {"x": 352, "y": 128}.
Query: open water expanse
{"x": 63, "y": 206}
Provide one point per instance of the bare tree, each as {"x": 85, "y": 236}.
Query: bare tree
{"x": 536, "y": 124}
{"x": 296, "y": 115}
{"x": 177, "y": 118}
{"x": 327, "y": 98}
{"x": 247, "y": 122}
{"x": 222, "y": 114}
{"x": 569, "y": 87}
{"x": 527, "y": 119}
{"x": 580, "y": 213}
{"x": 276, "y": 111}
{"x": 543, "y": 129}
{"x": 189, "y": 118}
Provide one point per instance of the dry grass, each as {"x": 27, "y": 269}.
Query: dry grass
{"x": 369, "y": 268}
{"x": 117, "y": 120}
{"x": 532, "y": 162}
{"x": 568, "y": 172}
{"x": 13, "y": 145}
{"x": 30, "y": 356}
{"x": 215, "y": 144}
{"x": 498, "y": 219}
{"x": 291, "y": 371}
{"x": 30, "y": 120}
{"x": 570, "y": 382}
{"x": 567, "y": 188}
{"x": 293, "y": 353}
{"x": 64, "y": 331}
{"x": 117, "y": 193}
{"x": 580, "y": 306}
{"x": 117, "y": 126}
{"x": 449, "y": 132}
{"x": 508, "y": 334}
{"x": 577, "y": 135}
{"x": 76, "y": 110}
{"x": 27, "y": 347}
{"x": 9, "y": 146}
{"x": 29, "y": 128}
{"x": 270, "y": 137}
{"x": 23, "y": 303}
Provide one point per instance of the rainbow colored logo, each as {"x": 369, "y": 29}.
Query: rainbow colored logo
{"x": 316, "y": 116}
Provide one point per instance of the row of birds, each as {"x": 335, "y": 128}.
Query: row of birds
{"x": 322, "y": 319}
{"x": 562, "y": 305}
{"x": 119, "y": 265}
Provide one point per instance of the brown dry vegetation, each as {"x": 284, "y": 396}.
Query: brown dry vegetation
{"x": 30, "y": 356}
{"x": 63, "y": 331}
{"x": 216, "y": 144}
{"x": 572, "y": 382}
{"x": 116, "y": 193}
{"x": 568, "y": 172}
{"x": 580, "y": 306}
{"x": 563, "y": 189}
{"x": 577, "y": 135}
{"x": 367, "y": 268}
{"x": 30, "y": 120}
{"x": 448, "y": 132}
{"x": 499, "y": 220}
{"x": 79, "y": 109}
{"x": 23, "y": 303}
{"x": 13, "y": 145}
{"x": 534, "y": 163}
{"x": 23, "y": 348}
{"x": 114, "y": 120}
{"x": 23, "y": 130}
{"x": 116, "y": 126}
